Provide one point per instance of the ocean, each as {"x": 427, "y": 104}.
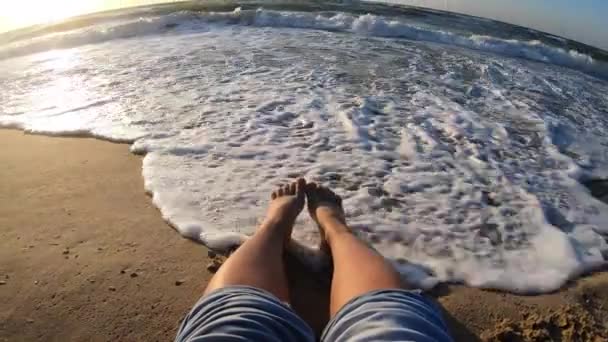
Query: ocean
{"x": 464, "y": 148}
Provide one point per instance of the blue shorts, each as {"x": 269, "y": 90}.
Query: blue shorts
{"x": 241, "y": 313}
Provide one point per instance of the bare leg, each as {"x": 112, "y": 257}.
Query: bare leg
{"x": 358, "y": 269}
{"x": 259, "y": 261}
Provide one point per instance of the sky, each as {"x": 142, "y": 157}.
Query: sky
{"x": 582, "y": 20}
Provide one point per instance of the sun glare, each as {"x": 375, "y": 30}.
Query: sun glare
{"x": 18, "y": 13}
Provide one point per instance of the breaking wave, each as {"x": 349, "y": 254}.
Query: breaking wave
{"x": 367, "y": 24}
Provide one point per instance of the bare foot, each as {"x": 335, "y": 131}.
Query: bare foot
{"x": 325, "y": 207}
{"x": 287, "y": 203}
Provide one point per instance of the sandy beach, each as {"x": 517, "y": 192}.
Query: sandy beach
{"x": 84, "y": 255}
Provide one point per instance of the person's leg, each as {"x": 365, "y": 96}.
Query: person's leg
{"x": 358, "y": 269}
{"x": 246, "y": 299}
{"x": 259, "y": 261}
{"x": 367, "y": 302}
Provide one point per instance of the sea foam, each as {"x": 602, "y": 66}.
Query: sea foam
{"x": 455, "y": 163}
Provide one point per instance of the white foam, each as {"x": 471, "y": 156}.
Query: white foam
{"x": 367, "y": 24}
{"x": 456, "y": 165}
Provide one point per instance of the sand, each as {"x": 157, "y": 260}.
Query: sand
{"x": 84, "y": 255}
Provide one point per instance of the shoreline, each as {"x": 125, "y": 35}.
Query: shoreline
{"x": 87, "y": 256}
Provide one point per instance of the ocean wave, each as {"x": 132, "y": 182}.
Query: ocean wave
{"x": 97, "y": 34}
{"x": 367, "y": 24}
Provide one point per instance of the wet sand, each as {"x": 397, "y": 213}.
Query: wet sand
{"x": 84, "y": 255}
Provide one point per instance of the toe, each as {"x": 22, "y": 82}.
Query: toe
{"x": 273, "y": 195}
{"x": 300, "y": 186}
{"x": 280, "y": 191}
{"x": 311, "y": 187}
{"x": 292, "y": 188}
{"x": 336, "y": 198}
{"x": 311, "y": 191}
{"x": 329, "y": 195}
